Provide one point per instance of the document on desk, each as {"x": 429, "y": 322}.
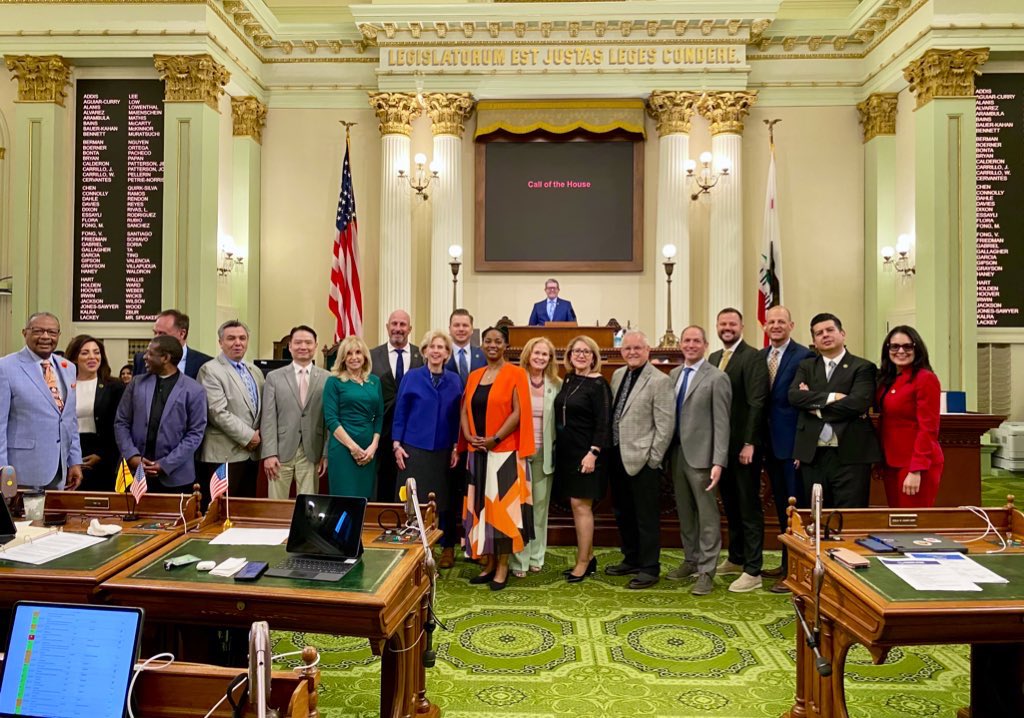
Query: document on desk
{"x": 47, "y": 548}
{"x": 928, "y": 574}
{"x": 967, "y": 568}
{"x": 251, "y": 537}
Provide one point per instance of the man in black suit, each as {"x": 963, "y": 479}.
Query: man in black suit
{"x": 172, "y": 323}
{"x": 391, "y": 360}
{"x": 740, "y": 486}
{"x": 835, "y": 442}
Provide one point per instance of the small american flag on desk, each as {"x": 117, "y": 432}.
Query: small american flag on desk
{"x": 139, "y": 486}
{"x": 219, "y": 482}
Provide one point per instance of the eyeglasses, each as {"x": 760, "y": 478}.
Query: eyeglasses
{"x": 581, "y": 352}
{"x": 44, "y": 332}
{"x": 897, "y": 348}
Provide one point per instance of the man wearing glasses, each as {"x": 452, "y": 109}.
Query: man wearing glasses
{"x": 835, "y": 442}
{"x": 552, "y": 309}
{"x": 38, "y": 417}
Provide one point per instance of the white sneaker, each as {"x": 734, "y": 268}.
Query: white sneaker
{"x": 727, "y": 567}
{"x": 745, "y": 583}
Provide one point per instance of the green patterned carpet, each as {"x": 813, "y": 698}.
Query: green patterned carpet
{"x": 543, "y": 647}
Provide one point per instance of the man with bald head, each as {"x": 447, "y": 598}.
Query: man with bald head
{"x": 642, "y": 424}
{"x": 391, "y": 361}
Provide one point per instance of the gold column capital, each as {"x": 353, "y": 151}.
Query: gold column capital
{"x": 248, "y": 116}
{"x": 726, "y": 110}
{"x": 672, "y": 110}
{"x": 395, "y": 111}
{"x": 449, "y": 111}
{"x": 41, "y": 78}
{"x": 192, "y": 78}
{"x": 944, "y": 73}
{"x": 878, "y": 114}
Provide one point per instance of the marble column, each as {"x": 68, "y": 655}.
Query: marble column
{"x": 248, "y": 116}
{"x": 942, "y": 81}
{"x": 878, "y": 116}
{"x": 448, "y": 113}
{"x": 726, "y": 112}
{"x": 672, "y": 111}
{"x": 41, "y": 255}
{"x": 395, "y": 112}
{"x": 193, "y": 86}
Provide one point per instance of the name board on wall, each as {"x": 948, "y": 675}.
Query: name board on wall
{"x": 119, "y": 189}
{"x": 1000, "y": 195}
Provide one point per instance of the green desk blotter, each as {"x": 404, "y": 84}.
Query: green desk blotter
{"x": 88, "y": 559}
{"x": 372, "y": 569}
{"x": 893, "y": 588}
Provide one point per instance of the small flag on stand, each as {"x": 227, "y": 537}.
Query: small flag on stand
{"x": 124, "y": 478}
{"x": 139, "y": 487}
{"x": 219, "y": 482}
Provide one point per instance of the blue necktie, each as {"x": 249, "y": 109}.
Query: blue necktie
{"x": 399, "y": 367}
{"x": 682, "y": 394}
{"x": 249, "y": 382}
{"x": 463, "y": 367}
{"x": 551, "y": 310}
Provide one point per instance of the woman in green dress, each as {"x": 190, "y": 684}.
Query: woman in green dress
{"x": 354, "y": 414}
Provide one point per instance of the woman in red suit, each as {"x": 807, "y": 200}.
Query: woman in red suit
{"x": 908, "y": 406}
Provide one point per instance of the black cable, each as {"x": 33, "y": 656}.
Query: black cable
{"x": 398, "y": 520}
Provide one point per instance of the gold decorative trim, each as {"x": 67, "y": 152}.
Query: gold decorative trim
{"x": 672, "y": 110}
{"x": 878, "y": 114}
{"x": 3, "y": 152}
{"x": 449, "y": 111}
{"x": 192, "y": 78}
{"x": 395, "y": 112}
{"x": 41, "y": 78}
{"x": 725, "y": 110}
{"x": 944, "y": 73}
{"x": 248, "y": 116}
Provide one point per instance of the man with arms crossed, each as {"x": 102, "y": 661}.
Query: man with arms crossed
{"x": 702, "y": 398}
{"x": 292, "y": 427}
{"x": 642, "y": 424}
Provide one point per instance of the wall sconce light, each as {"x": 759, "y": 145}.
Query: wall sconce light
{"x": 420, "y": 178}
{"x": 706, "y": 177}
{"x": 230, "y": 257}
{"x": 669, "y": 341}
{"x": 898, "y": 259}
{"x": 455, "y": 252}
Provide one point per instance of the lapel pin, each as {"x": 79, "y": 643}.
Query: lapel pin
{"x": 846, "y": 366}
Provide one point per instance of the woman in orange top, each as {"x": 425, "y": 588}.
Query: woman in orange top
{"x": 908, "y": 422}
{"x": 497, "y": 429}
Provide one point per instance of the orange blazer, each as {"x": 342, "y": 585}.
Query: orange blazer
{"x": 511, "y": 379}
{"x": 908, "y": 423}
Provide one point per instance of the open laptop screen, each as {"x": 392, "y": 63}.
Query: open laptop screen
{"x": 328, "y": 526}
{"x": 68, "y": 661}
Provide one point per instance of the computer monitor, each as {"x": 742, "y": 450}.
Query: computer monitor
{"x": 69, "y": 660}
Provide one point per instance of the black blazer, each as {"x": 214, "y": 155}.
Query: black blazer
{"x": 104, "y": 411}
{"x": 854, "y": 377}
{"x": 193, "y": 360}
{"x": 749, "y": 377}
{"x": 382, "y": 368}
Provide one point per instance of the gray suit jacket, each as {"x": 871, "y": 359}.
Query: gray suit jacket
{"x": 232, "y": 419}
{"x": 285, "y": 422}
{"x": 703, "y": 430}
{"x": 647, "y": 421}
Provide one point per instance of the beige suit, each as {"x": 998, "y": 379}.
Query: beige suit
{"x": 232, "y": 418}
{"x": 291, "y": 431}
{"x": 647, "y": 421}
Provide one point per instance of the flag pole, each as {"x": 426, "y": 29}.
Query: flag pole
{"x": 776, "y": 299}
{"x": 228, "y": 523}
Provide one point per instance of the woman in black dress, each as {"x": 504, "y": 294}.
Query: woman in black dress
{"x": 582, "y": 430}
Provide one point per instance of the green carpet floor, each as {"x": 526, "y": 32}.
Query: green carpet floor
{"x": 543, "y": 647}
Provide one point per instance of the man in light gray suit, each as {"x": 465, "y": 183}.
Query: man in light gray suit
{"x": 703, "y": 396}
{"x": 233, "y": 387}
{"x": 292, "y": 427}
{"x": 642, "y": 424}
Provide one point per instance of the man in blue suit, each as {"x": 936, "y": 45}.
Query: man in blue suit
{"x": 38, "y": 415}
{"x": 782, "y": 358}
{"x": 172, "y": 323}
{"x": 465, "y": 357}
{"x": 551, "y": 309}
{"x": 161, "y": 420}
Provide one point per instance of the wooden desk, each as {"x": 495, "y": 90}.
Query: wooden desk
{"x": 560, "y": 336}
{"x": 384, "y": 599}
{"x": 877, "y": 609}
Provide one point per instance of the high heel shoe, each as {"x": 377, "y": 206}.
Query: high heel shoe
{"x": 573, "y": 578}
{"x": 591, "y": 567}
{"x": 498, "y": 585}
{"x": 482, "y": 578}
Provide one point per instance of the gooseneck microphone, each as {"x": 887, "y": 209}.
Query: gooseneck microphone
{"x": 813, "y": 635}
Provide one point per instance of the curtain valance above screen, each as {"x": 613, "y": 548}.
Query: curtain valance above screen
{"x": 559, "y": 117}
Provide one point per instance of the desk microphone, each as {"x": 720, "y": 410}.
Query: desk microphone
{"x": 259, "y": 668}
{"x": 818, "y": 576}
{"x": 429, "y": 655}
{"x": 407, "y": 494}
{"x": 8, "y": 483}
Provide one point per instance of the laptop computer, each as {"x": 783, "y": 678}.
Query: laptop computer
{"x": 69, "y": 660}
{"x": 325, "y": 538}
{"x": 7, "y": 528}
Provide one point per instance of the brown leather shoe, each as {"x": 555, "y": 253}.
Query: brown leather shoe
{"x": 774, "y": 572}
{"x": 447, "y": 558}
{"x": 779, "y": 586}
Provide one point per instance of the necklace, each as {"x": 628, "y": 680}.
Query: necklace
{"x": 565, "y": 405}
{"x": 537, "y": 385}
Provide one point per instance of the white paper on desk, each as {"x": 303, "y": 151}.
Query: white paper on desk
{"x": 928, "y": 574}
{"x": 228, "y": 567}
{"x": 47, "y": 548}
{"x": 966, "y": 567}
{"x": 251, "y": 537}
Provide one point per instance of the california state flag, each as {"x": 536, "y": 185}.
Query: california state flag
{"x": 769, "y": 292}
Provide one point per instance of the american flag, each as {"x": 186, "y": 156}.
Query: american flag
{"x": 139, "y": 487}
{"x": 346, "y": 297}
{"x": 219, "y": 482}
{"x": 769, "y": 292}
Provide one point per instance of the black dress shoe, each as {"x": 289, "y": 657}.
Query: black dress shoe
{"x": 621, "y": 569}
{"x": 498, "y": 585}
{"x": 483, "y": 578}
{"x": 591, "y": 567}
{"x": 774, "y": 572}
{"x": 573, "y": 578}
{"x": 779, "y": 587}
{"x": 642, "y": 581}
